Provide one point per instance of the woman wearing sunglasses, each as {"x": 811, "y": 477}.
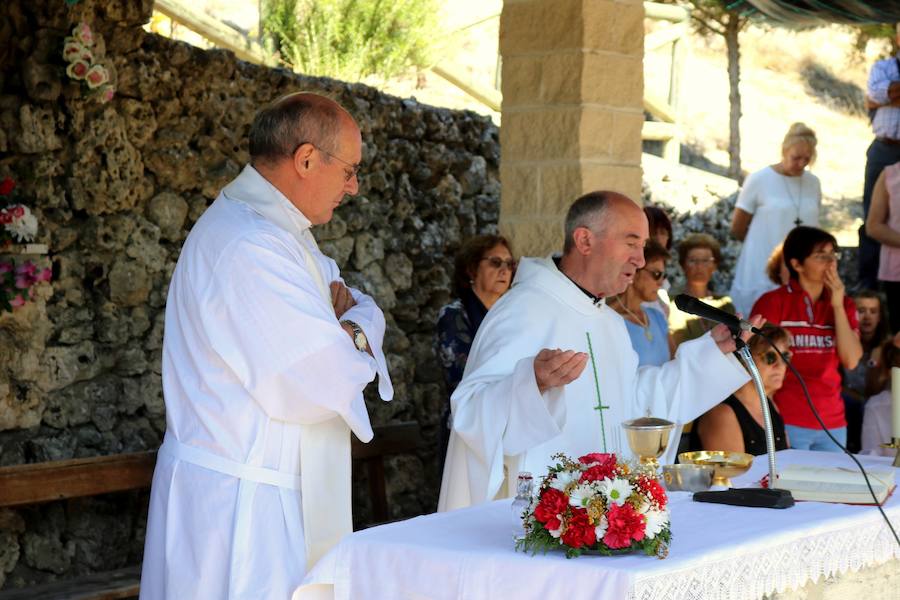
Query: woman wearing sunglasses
{"x": 736, "y": 425}
{"x": 483, "y": 272}
{"x": 647, "y": 327}
{"x": 824, "y": 328}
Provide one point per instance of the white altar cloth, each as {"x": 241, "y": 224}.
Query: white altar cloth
{"x": 717, "y": 552}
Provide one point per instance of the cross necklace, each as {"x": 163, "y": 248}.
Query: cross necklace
{"x": 795, "y": 201}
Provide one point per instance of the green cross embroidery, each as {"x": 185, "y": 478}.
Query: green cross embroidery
{"x": 600, "y": 406}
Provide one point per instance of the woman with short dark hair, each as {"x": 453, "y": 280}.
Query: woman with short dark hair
{"x": 699, "y": 254}
{"x": 822, "y": 321}
{"x": 647, "y": 327}
{"x": 483, "y": 271}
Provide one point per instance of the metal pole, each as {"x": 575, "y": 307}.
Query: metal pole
{"x": 747, "y": 359}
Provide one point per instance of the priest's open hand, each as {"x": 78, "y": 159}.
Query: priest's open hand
{"x": 722, "y": 335}
{"x": 553, "y": 368}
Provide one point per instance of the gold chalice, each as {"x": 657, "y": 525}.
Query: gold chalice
{"x": 725, "y": 464}
{"x": 648, "y": 438}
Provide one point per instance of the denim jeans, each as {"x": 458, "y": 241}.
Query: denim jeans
{"x": 803, "y": 438}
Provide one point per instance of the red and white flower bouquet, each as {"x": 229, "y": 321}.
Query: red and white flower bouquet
{"x": 597, "y": 505}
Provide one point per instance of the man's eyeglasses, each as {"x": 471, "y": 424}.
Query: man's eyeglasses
{"x": 656, "y": 275}
{"x": 497, "y": 263}
{"x": 770, "y": 357}
{"x": 827, "y": 256}
{"x": 350, "y": 171}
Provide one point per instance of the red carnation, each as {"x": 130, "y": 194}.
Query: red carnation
{"x": 652, "y": 488}
{"x": 624, "y": 524}
{"x": 552, "y": 503}
{"x": 579, "y": 531}
{"x": 5, "y": 217}
{"x": 7, "y": 186}
{"x": 603, "y": 466}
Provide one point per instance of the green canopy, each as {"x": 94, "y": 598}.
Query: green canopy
{"x": 815, "y": 12}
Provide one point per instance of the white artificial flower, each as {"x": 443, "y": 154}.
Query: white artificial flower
{"x": 582, "y": 494}
{"x": 656, "y": 520}
{"x": 600, "y": 529}
{"x": 616, "y": 490}
{"x": 24, "y": 228}
{"x": 556, "y": 533}
{"x": 563, "y": 479}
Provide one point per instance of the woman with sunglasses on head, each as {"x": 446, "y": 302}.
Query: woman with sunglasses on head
{"x": 646, "y": 326}
{"x": 737, "y": 425}
{"x": 483, "y": 271}
{"x": 823, "y": 324}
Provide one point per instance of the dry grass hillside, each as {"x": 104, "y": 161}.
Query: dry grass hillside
{"x": 814, "y": 76}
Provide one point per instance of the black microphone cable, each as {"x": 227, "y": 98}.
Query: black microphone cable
{"x": 833, "y": 439}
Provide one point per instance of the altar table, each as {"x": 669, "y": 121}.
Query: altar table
{"x": 717, "y": 552}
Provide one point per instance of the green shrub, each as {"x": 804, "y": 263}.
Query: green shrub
{"x": 351, "y": 39}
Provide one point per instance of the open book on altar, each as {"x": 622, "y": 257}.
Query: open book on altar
{"x": 836, "y": 484}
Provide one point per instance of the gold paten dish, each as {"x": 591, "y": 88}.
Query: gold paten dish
{"x": 725, "y": 464}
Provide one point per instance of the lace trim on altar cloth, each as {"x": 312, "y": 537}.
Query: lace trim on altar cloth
{"x": 785, "y": 566}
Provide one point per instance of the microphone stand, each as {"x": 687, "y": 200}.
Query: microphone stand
{"x": 755, "y": 497}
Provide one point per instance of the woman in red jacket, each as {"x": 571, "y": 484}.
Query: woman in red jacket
{"x": 822, "y": 321}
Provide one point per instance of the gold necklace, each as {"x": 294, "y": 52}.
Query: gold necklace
{"x": 647, "y": 333}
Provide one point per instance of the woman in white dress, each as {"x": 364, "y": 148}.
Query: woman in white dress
{"x": 773, "y": 201}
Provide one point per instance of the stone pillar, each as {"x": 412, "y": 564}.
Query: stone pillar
{"x": 572, "y": 110}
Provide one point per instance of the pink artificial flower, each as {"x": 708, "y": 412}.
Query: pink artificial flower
{"x": 77, "y": 70}
{"x": 26, "y": 268}
{"x": 44, "y": 275}
{"x": 17, "y": 301}
{"x": 6, "y": 267}
{"x": 72, "y": 49}
{"x": 83, "y": 34}
{"x": 107, "y": 92}
{"x": 23, "y": 282}
{"x": 96, "y": 76}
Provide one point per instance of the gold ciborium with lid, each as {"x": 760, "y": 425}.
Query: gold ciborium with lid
{"x": 648, "y": 438}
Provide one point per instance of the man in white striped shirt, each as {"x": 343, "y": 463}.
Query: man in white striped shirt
{"x": 883, "y": 95}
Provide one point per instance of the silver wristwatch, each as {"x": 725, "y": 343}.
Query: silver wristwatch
{"x": 359, "y": 338}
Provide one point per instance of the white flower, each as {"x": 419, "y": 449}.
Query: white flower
{"x": 616, "y": 490}
{"x": 581, "y": 495}
{"x": 24, "y": 228}
{"x": 656, "y": 520}
{"x": 600, "y": 529}
{"x": 563, "y": 479}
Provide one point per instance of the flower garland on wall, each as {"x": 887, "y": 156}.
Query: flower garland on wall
{"x": 17, "y": 225}
{"x": 84, "y": 64}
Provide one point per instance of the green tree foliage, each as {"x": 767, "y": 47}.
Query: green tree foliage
{"x": 351, "y": 39}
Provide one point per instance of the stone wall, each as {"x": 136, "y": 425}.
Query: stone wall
{"x": 117, "y": 187}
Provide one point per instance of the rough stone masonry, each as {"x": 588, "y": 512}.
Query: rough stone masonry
{"x": 116, "y": 188}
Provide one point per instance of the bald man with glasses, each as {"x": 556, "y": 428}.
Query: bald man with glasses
{"x": 265, "y": 358}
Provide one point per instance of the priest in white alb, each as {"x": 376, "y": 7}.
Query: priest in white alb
{"x": 552, "y": 368}
{"x": 265, "y": 358}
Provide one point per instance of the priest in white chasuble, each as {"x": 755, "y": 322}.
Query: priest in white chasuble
{"x": 265, "y": 357}
{"x": 530, "y": 387}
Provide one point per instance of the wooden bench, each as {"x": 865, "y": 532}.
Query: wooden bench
{"x": 35, "y": 483}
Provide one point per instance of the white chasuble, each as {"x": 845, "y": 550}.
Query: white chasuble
{"x": 262, "y": 388}
{"x": 502, "y": 424}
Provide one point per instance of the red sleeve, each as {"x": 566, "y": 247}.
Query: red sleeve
{"x": 852, "y": 315}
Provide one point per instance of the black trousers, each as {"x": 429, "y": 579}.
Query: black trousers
{"x": 878, "y": 156}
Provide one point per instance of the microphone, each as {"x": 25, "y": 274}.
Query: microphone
{"x": 701, "y": 309}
